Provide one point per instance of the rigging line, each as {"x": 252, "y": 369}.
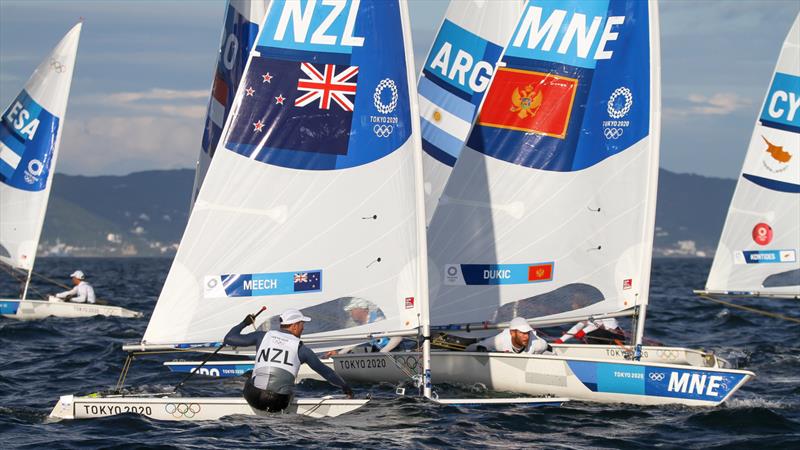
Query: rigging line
{"x": 752, "y": 310}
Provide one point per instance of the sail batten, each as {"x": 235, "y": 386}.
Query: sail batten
{"x": 759, "y": 249}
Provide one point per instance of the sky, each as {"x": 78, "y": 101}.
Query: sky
{"x": 144, "y": 71}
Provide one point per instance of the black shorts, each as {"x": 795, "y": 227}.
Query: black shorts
{"x": 264, "y": 400}
{"x": 604, "y": 337}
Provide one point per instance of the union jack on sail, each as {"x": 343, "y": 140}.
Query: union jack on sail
{"x": 327, "y": 86}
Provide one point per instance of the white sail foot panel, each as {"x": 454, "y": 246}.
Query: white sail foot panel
{"x": 192, "y": 408}
{"x": 526, "y": 401}
{"x": 39, "y": 309}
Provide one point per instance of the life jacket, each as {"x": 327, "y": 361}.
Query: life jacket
{"x": 277, "y": 362}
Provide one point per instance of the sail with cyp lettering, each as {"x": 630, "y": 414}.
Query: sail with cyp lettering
{"x": 242, "y": 19}
{"x": 454, "y": 80}
{"x": 30, "y": 134}
{"x": 550, "y": 209}
{"x": 759, "y": 250}
{"x": 314, "y": 197}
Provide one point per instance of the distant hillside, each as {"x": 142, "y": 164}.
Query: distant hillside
{"x": 144, "y": 213}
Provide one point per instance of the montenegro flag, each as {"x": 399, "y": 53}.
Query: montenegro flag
{"x": 533, "y": 102}
{"x": 540, "y": 272}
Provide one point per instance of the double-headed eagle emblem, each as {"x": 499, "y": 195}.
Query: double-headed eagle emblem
{"x": 526, "y": 102}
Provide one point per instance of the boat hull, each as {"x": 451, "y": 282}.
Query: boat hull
{"x": 40, "y": 309}
{"x": 583, "y": 379}
{"x": 191, "y": 408}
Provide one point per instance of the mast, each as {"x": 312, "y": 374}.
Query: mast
{"x": 652, "y": 188}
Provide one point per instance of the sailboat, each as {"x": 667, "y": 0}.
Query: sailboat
{"x": 453, "y": 82}
{"x": 313, "y": 198}
{"x": 30, "y": 135}
{"x": 758, "y": 252}
{"x": 549, "y": 214}
{"x": 242, "y": 19}
{"x": 451, "y": 85}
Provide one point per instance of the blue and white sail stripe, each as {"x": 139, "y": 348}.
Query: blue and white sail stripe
{"x": 446, "y": 121}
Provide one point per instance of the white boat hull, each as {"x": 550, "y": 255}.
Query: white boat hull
{"x": 39, "y": 309}
{"x": 584, "y": 379}
{"x": 191, "y": 408}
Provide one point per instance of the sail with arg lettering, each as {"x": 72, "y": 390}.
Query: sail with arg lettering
{"x": 454, "y": 80}
{"x": 759, "y": 251}
{"x": 242, "y": 19}
{"x": 313, "y": 198}
{"x": 550, "y": 208}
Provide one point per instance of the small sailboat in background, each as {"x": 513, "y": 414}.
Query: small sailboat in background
{"x": 30, "y": 136}
{"x": 759, "y": 250}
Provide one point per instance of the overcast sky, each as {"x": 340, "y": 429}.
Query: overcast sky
{"x": 144, "y": 70}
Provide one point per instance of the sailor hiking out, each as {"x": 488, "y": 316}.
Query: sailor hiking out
{"x": 518, "y": 338}
{"x": 83, "y": 292}
{"x": 278, "y": 358}
{"x": 597, "y": 331}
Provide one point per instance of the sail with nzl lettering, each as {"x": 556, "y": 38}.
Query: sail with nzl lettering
{"x": 314, "y": 197}
{"x": 550, "y": 209}
{"x": 453, "y": 82}
{"x": 30, "y": 135}
{"x": 242, "y": 19}
{"x": 759, "y": 250}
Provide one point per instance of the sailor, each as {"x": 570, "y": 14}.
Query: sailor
{"x": 518, "y": 338}
{"x": 83, "y": 292}
{"x": 595, "y": 331}
{"x": 363, "y": 312}
{"x": 278, "y": 359}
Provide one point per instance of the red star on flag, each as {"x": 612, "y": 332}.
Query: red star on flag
{"x": 257, "y": 126}
{"x": 267, "y": 78}
{"x": 250, "y": 91}
{"x": 279, "y": 99}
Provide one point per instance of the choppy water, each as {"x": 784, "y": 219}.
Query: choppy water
{"x": 44, "y": 359}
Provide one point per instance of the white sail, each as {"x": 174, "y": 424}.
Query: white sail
{"x": 313, "y": 198}
{"x": 454, "y": 80}
{"x": 550, "y": 209}
{"x": 242, "y": 19}
{"x": 30, "y": 134}
{"x": 759, "y": 251}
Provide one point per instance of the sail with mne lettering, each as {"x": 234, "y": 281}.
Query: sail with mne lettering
{"x": 30, "y": 134}
{"x": 313, "y": 199}
{"x": 242, "y": 19}
{"x": 550, "y": 209}
{"x": 759, "y": 250}
{"x": 453, "y": 81}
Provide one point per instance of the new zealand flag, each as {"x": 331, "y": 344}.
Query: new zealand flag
{"x": 294, "y": 105}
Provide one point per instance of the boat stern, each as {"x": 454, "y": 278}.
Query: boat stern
{"x": 64, "y": 409}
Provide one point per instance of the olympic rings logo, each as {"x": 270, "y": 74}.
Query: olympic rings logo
{"x": 613, "y": 133}
{"x": 667, "y": 354}
{"x": 57, "y": 66}
{"x": 657, "y": 376}
{"x": 409, "y": 362}
{"x": 383, "y": 130}
{"x": 615, "y": 113}
{"x": 383, "y": 108}
{"x": 182, "y": 409}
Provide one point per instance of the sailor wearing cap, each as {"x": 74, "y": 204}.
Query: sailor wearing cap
{"x": 518, "y": 338}
{"x": 83, "y": 292}
{"x": 278, "y": 359}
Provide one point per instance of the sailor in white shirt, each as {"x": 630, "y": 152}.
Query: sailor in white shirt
{"x": 595, "y": 331}
{"x": 518, "y": 338}
{"x": 83, "y": 292}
